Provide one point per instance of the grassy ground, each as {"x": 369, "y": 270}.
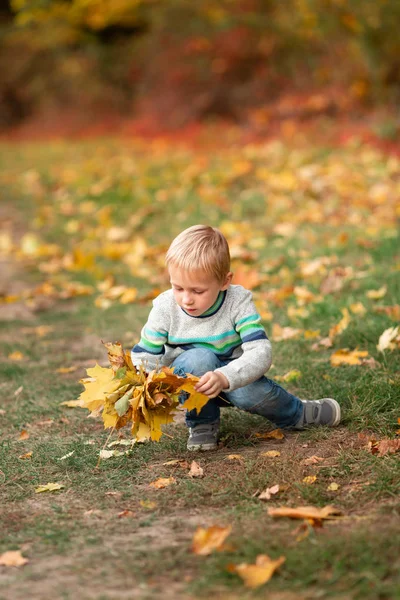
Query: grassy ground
{"x": 315, "y": 229}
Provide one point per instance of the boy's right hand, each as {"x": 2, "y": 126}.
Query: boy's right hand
{"x": 211, "y": 384}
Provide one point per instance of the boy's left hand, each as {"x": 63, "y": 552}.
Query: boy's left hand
{"x": 211, "y": 384}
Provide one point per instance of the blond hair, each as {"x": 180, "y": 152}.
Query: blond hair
{"x": 200, "y": 247}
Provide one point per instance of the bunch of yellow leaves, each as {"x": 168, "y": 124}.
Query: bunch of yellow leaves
{"x": 123, "y": 395}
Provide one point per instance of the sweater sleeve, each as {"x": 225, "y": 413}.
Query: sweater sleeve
{"x": 257, "y": 352}
{"x": 154, "y": 335}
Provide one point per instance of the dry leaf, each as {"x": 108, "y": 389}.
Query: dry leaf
{"x": 126, "y": 513}
{"x": 206, "y": 540}
{"x": 347, "y": 357}
{"x": 258, "y": 573}
{"x": 313, "y": 460}
{"x": 275, "y": 434}
{"x": 234, "y": 457}
{"x": 67, "y": 455}
{"x": 280, "y": 334}
{"x": 25, "y": 456}
{"x": 66, "y": 369}
{"x": 271, "y": 453}
{"x": 49, "y": 487}
{"x": 148, "y": 504}
{"x": 18, "y": 391}
{"x": 12, "y": 558}
{"x": 266, "y": 494}
{"x": 195, "y": 470}
{"x": 387, "y": 446}
{"x": 386, "y": 339}
{"x": 17, "y": 356}
{"x": 24, "y": 435}
{"x": 333, "y": 487}
{"x": 310, "y": 479}
{"x": 289, "y": 377}
{"x": 305, "y": 512}
{"x": 341, "y": 326}
{"x": 377, "y": 294}
{"x": 162, "y": 482}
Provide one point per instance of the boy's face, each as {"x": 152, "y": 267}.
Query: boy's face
{"x": 195, "y": 291}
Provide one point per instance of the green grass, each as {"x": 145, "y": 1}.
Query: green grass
{"x": 154, "y": 194}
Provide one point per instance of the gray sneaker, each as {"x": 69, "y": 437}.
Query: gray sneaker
{"x": 203, "y": 437}
{"x": 319, "y": 412}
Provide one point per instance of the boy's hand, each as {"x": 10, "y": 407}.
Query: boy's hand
{"x": 211, "y": 384}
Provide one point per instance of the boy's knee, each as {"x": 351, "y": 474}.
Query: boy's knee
{"x": 197, "y": 361}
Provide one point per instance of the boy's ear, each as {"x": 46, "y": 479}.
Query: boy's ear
{"x": 228, "y": 281}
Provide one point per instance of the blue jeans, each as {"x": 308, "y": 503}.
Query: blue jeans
{"x": 262, "y": 397}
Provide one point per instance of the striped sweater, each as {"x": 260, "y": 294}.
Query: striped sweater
{"x": 231, "y": 329}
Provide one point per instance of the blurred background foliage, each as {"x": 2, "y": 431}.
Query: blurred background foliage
{"x": 182, "y": 60}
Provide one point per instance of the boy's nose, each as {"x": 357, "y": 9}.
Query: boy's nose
{"x": 187, "y": 299}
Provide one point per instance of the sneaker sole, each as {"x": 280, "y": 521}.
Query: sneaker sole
{"x": 202, "y": 447}
{"x": 338, "y": 411}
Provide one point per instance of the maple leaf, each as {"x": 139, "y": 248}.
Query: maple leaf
{"x": 305, "y": 512}
{"x": 162, "y": 482}
{"x": 195, "y": 470}
{"x": 275, "y": 434}
{"x": 206, "y": 540}
{"x": 310, "y": 479}
{"x": 13, "y": 558}
{"x": 259, "y": 573}
{"x": 341, "y": 326}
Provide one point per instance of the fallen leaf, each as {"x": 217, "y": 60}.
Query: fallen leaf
{"x": 271, "y": 453}
{"x": 258, "y": 573}
{"x": 17, "y": 356}
{"x": 49, "y": 487}
{"x": 12, "y": 558}
{"x": 114, "y": 494}
{"x": 25, "y": 456}
{"x": 206, "y": 540}
{"x": 289, "y": 376}
{"x": 347, "y": 357}
{"x": 279, "y": 334}
{"x": 67, "y": 455}
{"x": 195, "y": 470}
{"x": 387, "y": 446}
{"x": 386, "y": 339}
{"x": 377, "y": 294}
{"x": 73, "y": 403}
{"x": 333, "y": 487}
{"x": 266, "y": 494}
{"x": 106, "y": 454}
{"x": 126, "y": 513}
{"x": 305, "y": 512}
{"x": 148, "y": 504}
{"x": 24, "y": 435}
{"x": 341, "y": 326}
{"x": 18, "y": 391}
{"x": 275, "y": 434}
{"x": 162, "y": 482}
{"x": 358, "y": 308}
{"x": 310, "y": 479}
{"x": 234, "y": 457}
{"x": 313, "y": 460}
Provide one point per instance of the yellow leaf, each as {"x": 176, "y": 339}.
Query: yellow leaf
{"x": 386, "y": 339}
{"x": 289, "y": 376}
{"x": 66, "y": 369}
{"x": 162, "y": 482}
{"x": 280, "y": 334}
{"x": 275, "y": 434}
{"x": 100, "y": 382}
{"x": 347, "y": 357}
{"x": 206, "y": 540}
{"x": 196, "y": 400}
{"x": 148, "y": 504}
{"x": 310, "y": 479}
{"x": 358, "y": 308}
{"x": 12, "y": 558}
{"x": 271, "y": 453}
{"x": 305, "y": 512}
{"x": 341, "y": 326}
{"x": 73, "y": 403}
{"x": 158, "y": 418}
{"x": 258, "y": 573}
{"x": 17, "y": 356}
{"x": 25, "y": 456}
{"x": 49, "y": 487}
{"x": 377, "y": 294}
{"x": 332, "y": 487}
{"x": 234, "y": 457}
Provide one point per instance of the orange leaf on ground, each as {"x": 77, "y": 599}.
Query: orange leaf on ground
{"x": 347, "y": 357}
{"x": 162, "y": 482}
{"x": 271, "y": 453}
{"x": 258, "y": 573}
{"x": 304, "y": 512}
{"x": 313, "y": 460}
{"x": 310, "y": 479}
{"x": 24, "y": 435}
{"x": 12, "y": 558}
{"x": 25, "y": 456}
{"x": 195, "y": 470}
{"x": 275, "y": 434}
{"x": 206, "y": 540}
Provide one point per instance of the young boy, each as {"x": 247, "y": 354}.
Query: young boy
{"x": 208, "y": 327}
